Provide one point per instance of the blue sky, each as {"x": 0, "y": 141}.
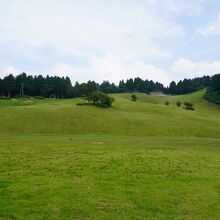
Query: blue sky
{"x": 110, "y": 39}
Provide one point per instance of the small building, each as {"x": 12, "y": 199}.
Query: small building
{"x": 158, "y": 93}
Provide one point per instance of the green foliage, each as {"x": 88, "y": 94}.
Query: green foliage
{"x": 189, "y": 85}
{"x": 216, "y": 82}
{"x": 212, "y": 95}
{"x": 178, "y": 103}
{"x": 5, "y": 98}
{"x": 167, "y": 102}
{"x": 101, "y": 99}
{"x": 188, "y": 105}
{"x": 134, "y": 98}
{"x": 39, "y": 97}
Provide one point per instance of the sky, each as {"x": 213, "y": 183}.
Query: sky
{"x": 110, "y": 39}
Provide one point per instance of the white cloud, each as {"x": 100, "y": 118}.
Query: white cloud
{"x": 111, "y": 68}
{"x": 184, "y": 68}
{"x": 11, "y": 70}
{"x": 125, "y": 27}
{"x": 114, "y": 69}
{"x": 186, "y": 7}
{"x": 211, "y": 29}
{"x": 118, "y": 39}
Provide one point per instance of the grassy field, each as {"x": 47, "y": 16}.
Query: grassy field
{"x": 140, "y": 160}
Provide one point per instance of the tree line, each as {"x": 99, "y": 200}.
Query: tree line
{"x": 61, "y": 87}
{"x": 190, "y": 85}
{"x": 213, "y": 92}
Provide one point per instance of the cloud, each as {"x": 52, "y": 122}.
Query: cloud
{"x": 179, "y": 7}
{"x": 114, "y": 68}
{"x": 11, "y": 70}
{"x": 103, "y": 39}
{"x": 211, "y": 29}
{"x": 111, "y": 68}
{"x": 121, "y": 27}
{"x": 189, "y": 69}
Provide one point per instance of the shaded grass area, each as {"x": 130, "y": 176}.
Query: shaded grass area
{"x": 108, "y": 177}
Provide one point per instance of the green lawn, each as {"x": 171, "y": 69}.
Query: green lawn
{"x": 133, "y": 161}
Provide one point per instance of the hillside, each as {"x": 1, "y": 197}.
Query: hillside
{"x": 137, "y": 160}
{"x": 142, "y": 118}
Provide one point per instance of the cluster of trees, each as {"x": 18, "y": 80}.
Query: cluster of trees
{"x": 130, "y": 85}
{"x": 213, "y": 92}
{"x": 58, "y": 87}
{"x": 189, "y": 85}
{"x": 61, "y": 87}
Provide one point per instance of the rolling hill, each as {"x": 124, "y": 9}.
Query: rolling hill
{"x": 136, "y": 160}
{"x": 146, "y": 117}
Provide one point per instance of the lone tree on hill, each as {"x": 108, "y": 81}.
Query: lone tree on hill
{"x": 167, "y": 102}
{"x": 100, "y": 99}
{"x": 178, "y": 103}
{"x": 134, "y": 98}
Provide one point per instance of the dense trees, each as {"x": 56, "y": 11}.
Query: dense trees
{"x": 213, "y": 92}
{"x": 49, "y": 86}
{"x": 61, "y": 87}
{"x": 189, "y": 85}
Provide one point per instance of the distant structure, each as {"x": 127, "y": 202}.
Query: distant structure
{"x": 158, "y": 93}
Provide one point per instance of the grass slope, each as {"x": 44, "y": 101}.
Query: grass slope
{"x": 133, "y": 161}
{"x": 143, "y": 118}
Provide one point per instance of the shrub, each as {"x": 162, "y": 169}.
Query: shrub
{"x": 134, "y": 98}
{"x": 22, "y": 97}
{"x": 81, "y": 104}
{"x": 39, "y": 97}
{"x": 167, "y": 102}
{"x": 5, "y": 98}
{"x": 186, "y": 103}
{"x": 188, "y": 106}
{"x": 178, "y": 103}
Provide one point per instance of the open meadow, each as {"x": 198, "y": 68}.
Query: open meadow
{"x": 135, "y": 160}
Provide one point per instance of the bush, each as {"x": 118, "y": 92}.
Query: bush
{"x": 167, "y": 102}
{"x": 186, "y": 103}
{"x": 81, "y": 104}
{"x": 5, "y": 98}
{"x": 134, "y": 98}
{"x": 39, "y": 97}
{"x": 22, "y": 97}
{"x": 178, "y": 103}
{"x": 188, "y": 106}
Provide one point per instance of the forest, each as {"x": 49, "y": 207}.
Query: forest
{"x": 61, "y": 87}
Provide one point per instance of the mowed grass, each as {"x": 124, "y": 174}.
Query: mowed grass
{"x": 92, "y": 177}
{"x": 133, "y": 161}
